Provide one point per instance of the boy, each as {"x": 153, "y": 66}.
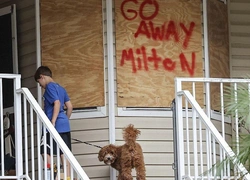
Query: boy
{"x": 55, "y": 98}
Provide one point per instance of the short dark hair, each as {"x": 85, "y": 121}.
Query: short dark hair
{"x": 42, "y": 70}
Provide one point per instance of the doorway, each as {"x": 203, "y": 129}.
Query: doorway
{"x": 8, "y": 65}
{"x": 8, "y": 53}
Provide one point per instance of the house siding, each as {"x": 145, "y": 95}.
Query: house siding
{"x": 239, "y": 20}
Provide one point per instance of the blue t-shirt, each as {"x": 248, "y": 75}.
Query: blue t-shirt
{"x": 53, "y": 92}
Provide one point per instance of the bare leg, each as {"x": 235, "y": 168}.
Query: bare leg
{"x": 48, "y": 158}
{"x": 68, "y": 167}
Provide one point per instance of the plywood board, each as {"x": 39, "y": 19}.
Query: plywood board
{"x": 156, "y": 41}
{"x": 72, "y": 46}
{"x": 218, "y": 38}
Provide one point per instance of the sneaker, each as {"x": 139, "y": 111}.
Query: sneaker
{"x": 55, "y": 171}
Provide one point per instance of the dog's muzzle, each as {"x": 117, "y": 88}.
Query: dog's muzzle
{"x": 108, "y": 159}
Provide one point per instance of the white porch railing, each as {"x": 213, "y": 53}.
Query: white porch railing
{"x": 200, "y": 145}
{"x": 29, "y": 122}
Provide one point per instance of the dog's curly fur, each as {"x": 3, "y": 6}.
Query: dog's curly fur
{"x": 126, "y": 157}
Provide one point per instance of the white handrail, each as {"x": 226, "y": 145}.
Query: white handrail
{"x": 209, "y": 125}
{"x": 64, "y": 148}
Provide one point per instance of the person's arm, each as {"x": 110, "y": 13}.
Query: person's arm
{"x": 69, "y": 108}
{"x": 55, "y": 112}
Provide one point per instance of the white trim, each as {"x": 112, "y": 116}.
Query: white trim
{"x": 111, "y": 76}
{"x": 90, "y": 113}
{"x": 5, "y": 10}
{"x": 224, "y": 1}
{"x": 154, "y": 112}
{"x": 9, "y": 110}
{"x": 215, "y": 115}
{"x": 205, "y": 39}
{"x": 14, "y": 39}
{"x": 38, "y": 47}
{"x": 206, "y": 56}
{"x": 150, "y": 112}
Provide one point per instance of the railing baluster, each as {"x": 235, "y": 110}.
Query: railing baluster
{"x": 32, "y": 143}
{"x": 18, "y": 127}
{"x": 25, "y": 123}
{"x": 187, "y": 137}
{"x": 195, "y": 143}
{"x": 1, "y": 127}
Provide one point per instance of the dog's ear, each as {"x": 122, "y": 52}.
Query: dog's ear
{"x": 101, "y": 154}
{"x": 113, "y": 149}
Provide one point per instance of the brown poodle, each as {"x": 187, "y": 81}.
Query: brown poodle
{"x": 126, "y": 157}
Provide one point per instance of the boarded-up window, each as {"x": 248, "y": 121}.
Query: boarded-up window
{"x": 156, "y": 41}
{"x": 72, "y": 46}
{"x": 218, "y": 47}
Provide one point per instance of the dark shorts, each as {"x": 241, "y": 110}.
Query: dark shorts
{"x": 66, "y": 138}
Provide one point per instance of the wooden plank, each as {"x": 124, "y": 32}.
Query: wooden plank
{"x": 240, "y": 51}
{"x": 240, "y": 18}
{"x": 240, "y": 40}
{"x": 144, "y": 122}
{"x": 150, "y": 134}
{"x": 26, "y": 26}
{"x": 150, "y": 159}
{"x": 240, "y": 62}
{"x": 89, "y": 160}
{"x": 147, "y": 146}
{"x": 218, "y": 125}
{"x": 240, "y": 73}
{"x": 100, "y": 178}
{"x": 155, "y": 171}
{"x": 27, "y": 36}
{"x": 5, "y": 3}
{"x": 83, "y": 149}
{"x": 239, "y": 6}
{"x": 158, "y": 158}
{"x": 27, "y": 49}
{"x": 28, "y": 73}
{"x": 240, "y": 28}
{"x": 140, "y": 81}
{"x": 26, "y": 14}
{"x": 28, "y": 60}
{"x": 33, "y": 91}
{"x": 97, "y": 171}
{"x": 95, "y": 135}
{"x": 21, "y": 4}
{"x": 159, "y": 170}
{"x": 89, "y": 124}
{"x": 72, "y": 46}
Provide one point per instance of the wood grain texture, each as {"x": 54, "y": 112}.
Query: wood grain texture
{"x": 72, "y": 46}
{"x": 155, "y": 87}
{"x": 218, "y": 47}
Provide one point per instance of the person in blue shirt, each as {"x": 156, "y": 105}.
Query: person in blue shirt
{"x": 55, "y": 100}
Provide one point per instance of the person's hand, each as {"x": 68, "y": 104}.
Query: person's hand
{"x": 53, "y": 123}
